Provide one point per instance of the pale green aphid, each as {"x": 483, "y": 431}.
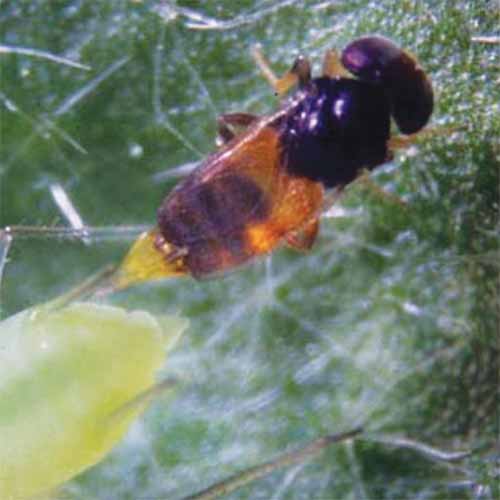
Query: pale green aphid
{"x": 67, "y": 379}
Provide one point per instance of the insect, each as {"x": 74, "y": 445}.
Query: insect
{"x": 266, "y": 185}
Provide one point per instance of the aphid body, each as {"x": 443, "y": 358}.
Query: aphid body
{"x": 72, "y": 380}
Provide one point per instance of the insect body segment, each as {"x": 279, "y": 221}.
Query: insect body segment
{"x": 265, "y": 184}
{"x": 240, "y": 205}
{"x": 340, "y": 126}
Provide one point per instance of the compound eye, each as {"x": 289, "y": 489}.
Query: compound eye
{"x": 377, "y": 60}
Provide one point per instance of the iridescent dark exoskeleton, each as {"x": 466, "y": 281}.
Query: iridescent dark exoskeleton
{"x": 265, "y": 185}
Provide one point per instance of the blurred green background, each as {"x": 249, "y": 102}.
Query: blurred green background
{"x": 390, "y": 322}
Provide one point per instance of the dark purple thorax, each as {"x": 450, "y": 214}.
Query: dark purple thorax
{"x": 337, "y": 127}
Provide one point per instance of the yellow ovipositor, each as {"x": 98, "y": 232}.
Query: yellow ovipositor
{"x": 147, "y": 261}
{"x": 67, "y": 380}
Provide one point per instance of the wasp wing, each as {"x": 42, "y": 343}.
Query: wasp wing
{"x": 232, "y": 188}
{"x": 240, "y": 203}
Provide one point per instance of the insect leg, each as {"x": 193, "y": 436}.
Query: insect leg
{"x": 300, "y": 73}
{"x": 376, "y": 190}
{"x": 332, "y": 65}
{"x": 302, "y": 70}
{"x": 405, "y": 141}
{"x": 401, "y": 141}
{"x": 225, "y": 123}
{"x": 304, "y": 239}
